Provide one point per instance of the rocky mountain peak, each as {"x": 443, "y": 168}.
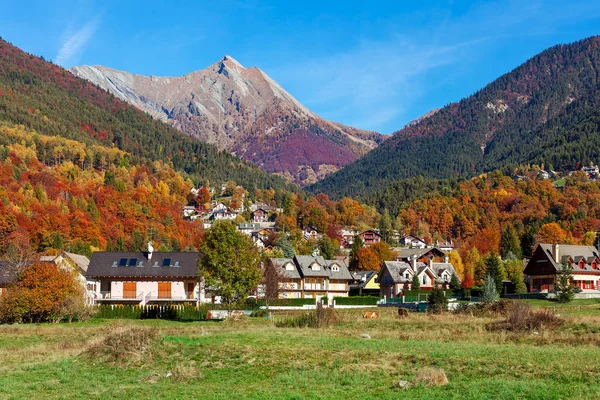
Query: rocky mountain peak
{"x": 244, "y": 111}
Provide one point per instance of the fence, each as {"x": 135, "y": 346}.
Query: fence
{"x": 175, "y": 312}
{"x": 356, "y": 301}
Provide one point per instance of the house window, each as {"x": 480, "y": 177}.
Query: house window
{"x": 406, "y": 276}
{"x": 424, "y": 279}
{"x": 335, "y": 268}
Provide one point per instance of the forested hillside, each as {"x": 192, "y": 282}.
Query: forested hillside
{"x": 50, "y": 100}
{"x": 59, "y": 194}
{"x": 546, "y": 111}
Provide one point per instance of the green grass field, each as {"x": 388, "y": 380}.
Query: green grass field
{"x": 254, "y": 359}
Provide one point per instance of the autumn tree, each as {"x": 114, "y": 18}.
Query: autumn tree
{"x": 40, "y": 294}
{"x": 229, "y": 263}
{"x": 367, "y": 260}
{"x": 467, "y": 283}
{"x": 551, "y": 233}
{"x": 203, "y": 195}
{"x": 328, "y": 247}
{"x": 456, "y": 261}
{"x": 384, "y": 252}
{"x": 356, "y": 246}
{"x": 514, "y": 273}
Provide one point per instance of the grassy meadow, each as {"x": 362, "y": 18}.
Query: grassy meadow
{"x": 251, "y": 358}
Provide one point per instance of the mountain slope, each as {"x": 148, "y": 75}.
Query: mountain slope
{"x": 243, "y": 111}
{"x": 50, "y": 100}
{"x": 545, "y": 111}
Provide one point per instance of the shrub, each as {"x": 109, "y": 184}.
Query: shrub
{"x": 124, "y": 345}
{"x": 288, "y": 302}
{"x": 437, "y": 301}
{"x": 521, "y": 317}
{"x": 431, "y": 376}
{"x": 484, "y": 309}
{"x": 320, "y": 318}
{"x": 259, "y": 313}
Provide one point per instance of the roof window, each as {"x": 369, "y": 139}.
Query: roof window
{"x": 123, "y": 262}
{"x": 166, "y": 262}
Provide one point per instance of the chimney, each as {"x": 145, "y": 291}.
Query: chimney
{"x": 556, "y": 252}
{"x": 413, "y": 263}
{"x": 446, "y": 259}
{"x": 430, "y": 262}
{"x": 150, "y": 251}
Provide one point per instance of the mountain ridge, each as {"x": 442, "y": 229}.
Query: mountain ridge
{"x": 543, "y": 111}
{"x": 244, "y": 111}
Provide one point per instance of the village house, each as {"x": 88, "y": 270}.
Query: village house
{"x": 226, "y": 214}
{"x": 248, "y": 227}
{"x": 259, "y": 215}
{"x": 310, "y": 233}
{"x": 548, "y": 259}
{"x": 145, "y": 277}
{"x": 396, "y": 276}
{"x": 370, "y": 237}
{"x": 347, "y": 237}
{"x": 419, "y": 254}
{"x": 445, "y": 246}
{"x": 412, "y": 241}
{"x": 310, "y": 277}
{"x": 364, "y": 283}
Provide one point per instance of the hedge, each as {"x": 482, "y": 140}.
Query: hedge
{"x": 287, "y": 302}
{"x": 356, "y": 301}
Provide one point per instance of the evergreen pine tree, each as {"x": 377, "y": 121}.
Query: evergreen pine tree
{"x": 415, "y": 284}
{"x": 564, "y": 286}
{"x": 489, "y": 292}
{"x": 385, "y": 226}
{"x": 510, "y": 243}
{"x": 356, "y": 246}
{"x": 495, "y": 269}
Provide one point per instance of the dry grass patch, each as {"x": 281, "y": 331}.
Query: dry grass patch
{"x": 124, "y": 345}
{"x": 521, "y": 317}
{"x": 431, "y": 376}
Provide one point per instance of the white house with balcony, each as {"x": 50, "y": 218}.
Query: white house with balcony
{"x": 146, "y": 278}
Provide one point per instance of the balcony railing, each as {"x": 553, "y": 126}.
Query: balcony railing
{"x": 125, "y": 296}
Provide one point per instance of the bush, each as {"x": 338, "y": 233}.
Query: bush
{"x": 259, "y": 313}
{"x": 431, "y": 376}
{"x": 521, "y": 317}
{"x": 356, "y": 301}
{"x": 484, "y": 309}
{"x": 124, "y": 345}
{"x": 287, "y": 302}
{"x": 437, "y": 301}
{"x": 320, "y": 318}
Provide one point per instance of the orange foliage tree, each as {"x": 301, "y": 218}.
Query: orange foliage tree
{"x": 39, "y": 294}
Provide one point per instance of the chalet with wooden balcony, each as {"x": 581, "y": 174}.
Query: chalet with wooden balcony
{"x": 310, "y": 277}
{"x": 145, "y": 277}
{"x": 259, "y": 215}
{"x": 548, "y": 259}
{"x": 396, "y": 276}
{"x": 412, "y": 241}
{"x": 370, "y": 237}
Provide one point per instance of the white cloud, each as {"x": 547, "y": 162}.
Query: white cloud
{"x": 74, "y": 43}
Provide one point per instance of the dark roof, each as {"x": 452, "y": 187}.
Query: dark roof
{"x": 343, "y": 272}
{"x": 280, "y": 263}
{"x": 361, "y": 278}
{"x": 404, "y": 254}
{"x": 567, "y": 252}
{"x": 109, "y": 264}
{"x": 306, "y": 262}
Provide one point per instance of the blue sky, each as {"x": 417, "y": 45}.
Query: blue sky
{"x": 373, "y": 65}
